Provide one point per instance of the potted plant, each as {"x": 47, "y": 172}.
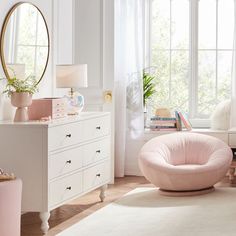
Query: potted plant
{"x": 21, "y": 92}
{"x": 149, "y": 88}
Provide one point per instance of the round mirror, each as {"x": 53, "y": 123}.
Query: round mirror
{"x": 24, "y": 43}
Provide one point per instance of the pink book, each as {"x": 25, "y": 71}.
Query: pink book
{"x": 185, "y": 121}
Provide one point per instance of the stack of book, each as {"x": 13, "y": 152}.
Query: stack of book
{"x": 163, "y": 123}
{"x": 176, "y": 123}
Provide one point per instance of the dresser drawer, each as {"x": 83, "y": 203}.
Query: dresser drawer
{"x": 59, "y": 103}
{"x": 95, "y": 128}
{"x": 59, "y": 115}
{"x": 96, "y": 151}
{"x": 65, "y": 135}
{"x": 65, "y": 162}
{"x": 64, "y": 189}
{"x": 96, "y": 175}
{"x": 59, "y": 110}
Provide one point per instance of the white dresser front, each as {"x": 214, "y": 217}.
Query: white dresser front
{"x": 59, "y": 160}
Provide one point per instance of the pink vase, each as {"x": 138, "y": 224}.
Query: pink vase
{"x": 21, "y": 101}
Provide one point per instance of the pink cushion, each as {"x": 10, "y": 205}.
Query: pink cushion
{"x": 10, "y": 207}
{"x": 185, "y": 161}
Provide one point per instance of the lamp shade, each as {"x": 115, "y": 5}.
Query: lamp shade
{"x": 72, "y": 76}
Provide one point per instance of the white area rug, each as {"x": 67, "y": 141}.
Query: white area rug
{"x": 143, "y": 212}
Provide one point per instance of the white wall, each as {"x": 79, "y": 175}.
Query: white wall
{"x": 46, "y": 85}
{"x": 88, "y": 25}
{"x": 94, "y": 37}
{"x": 64, "y": 32}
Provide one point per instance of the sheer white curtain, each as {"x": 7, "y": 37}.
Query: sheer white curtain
{"x": 129, "y": 63}
{"x": 233, "y": 89}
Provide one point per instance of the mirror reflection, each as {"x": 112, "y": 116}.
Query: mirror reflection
{"x": 25, "y": 43}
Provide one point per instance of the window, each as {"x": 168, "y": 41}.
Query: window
{"x": 191, "y": 45}
{"x": 28, "y": 46}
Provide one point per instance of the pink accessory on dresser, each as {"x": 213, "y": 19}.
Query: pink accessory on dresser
{"x": 48, "y": 107}
{"x": 46, "y": 118}
{"x": 21, "y": 101}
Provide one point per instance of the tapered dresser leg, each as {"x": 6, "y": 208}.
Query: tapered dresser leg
{"x": 44, "y": 216}
{"x": 102, "y": 192}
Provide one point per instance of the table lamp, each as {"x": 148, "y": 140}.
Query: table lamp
{"x": 73, "y": 77}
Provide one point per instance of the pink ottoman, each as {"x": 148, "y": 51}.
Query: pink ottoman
{"x": 185, "y": 163}
{"x": 10, "y": 207}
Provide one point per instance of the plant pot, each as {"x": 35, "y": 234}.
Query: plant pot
{"x": 21, "y": 101}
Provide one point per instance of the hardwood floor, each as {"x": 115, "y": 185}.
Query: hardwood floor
{"x": 76, "y": 210}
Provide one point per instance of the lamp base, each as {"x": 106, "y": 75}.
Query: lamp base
{"x": 75, "y": 103}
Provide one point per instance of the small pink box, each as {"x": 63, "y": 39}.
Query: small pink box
{"x": 47, "y": 107}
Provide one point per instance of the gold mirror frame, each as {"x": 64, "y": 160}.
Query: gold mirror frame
{"x": 3, "y": 32}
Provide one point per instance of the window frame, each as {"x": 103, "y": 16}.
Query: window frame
{"x": 36, "y": 46}
{"x": 193, "y": 58}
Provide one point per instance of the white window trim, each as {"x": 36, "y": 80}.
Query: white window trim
{"x": 193, "y": 59}
{"x": 35, "y": 45}
{"x": 200, "y": 123}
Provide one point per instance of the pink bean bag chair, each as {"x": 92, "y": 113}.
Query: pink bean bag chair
{"x": 10, "y": 207}
{"x": 185, "y": 163}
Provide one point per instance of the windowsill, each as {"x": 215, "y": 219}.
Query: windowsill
{"x": 149, "y": 134}
{"x": 200, "y": 123}
{"x": 198, "y": 130}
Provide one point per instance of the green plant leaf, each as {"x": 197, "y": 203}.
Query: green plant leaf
{"x": 27, "y": 85}
{"x": 149, "y": 86}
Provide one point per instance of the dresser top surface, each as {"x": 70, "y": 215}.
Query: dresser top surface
{"x": 69, "y": 119}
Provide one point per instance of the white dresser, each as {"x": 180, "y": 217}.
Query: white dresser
{"x": 58, "y": 160}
